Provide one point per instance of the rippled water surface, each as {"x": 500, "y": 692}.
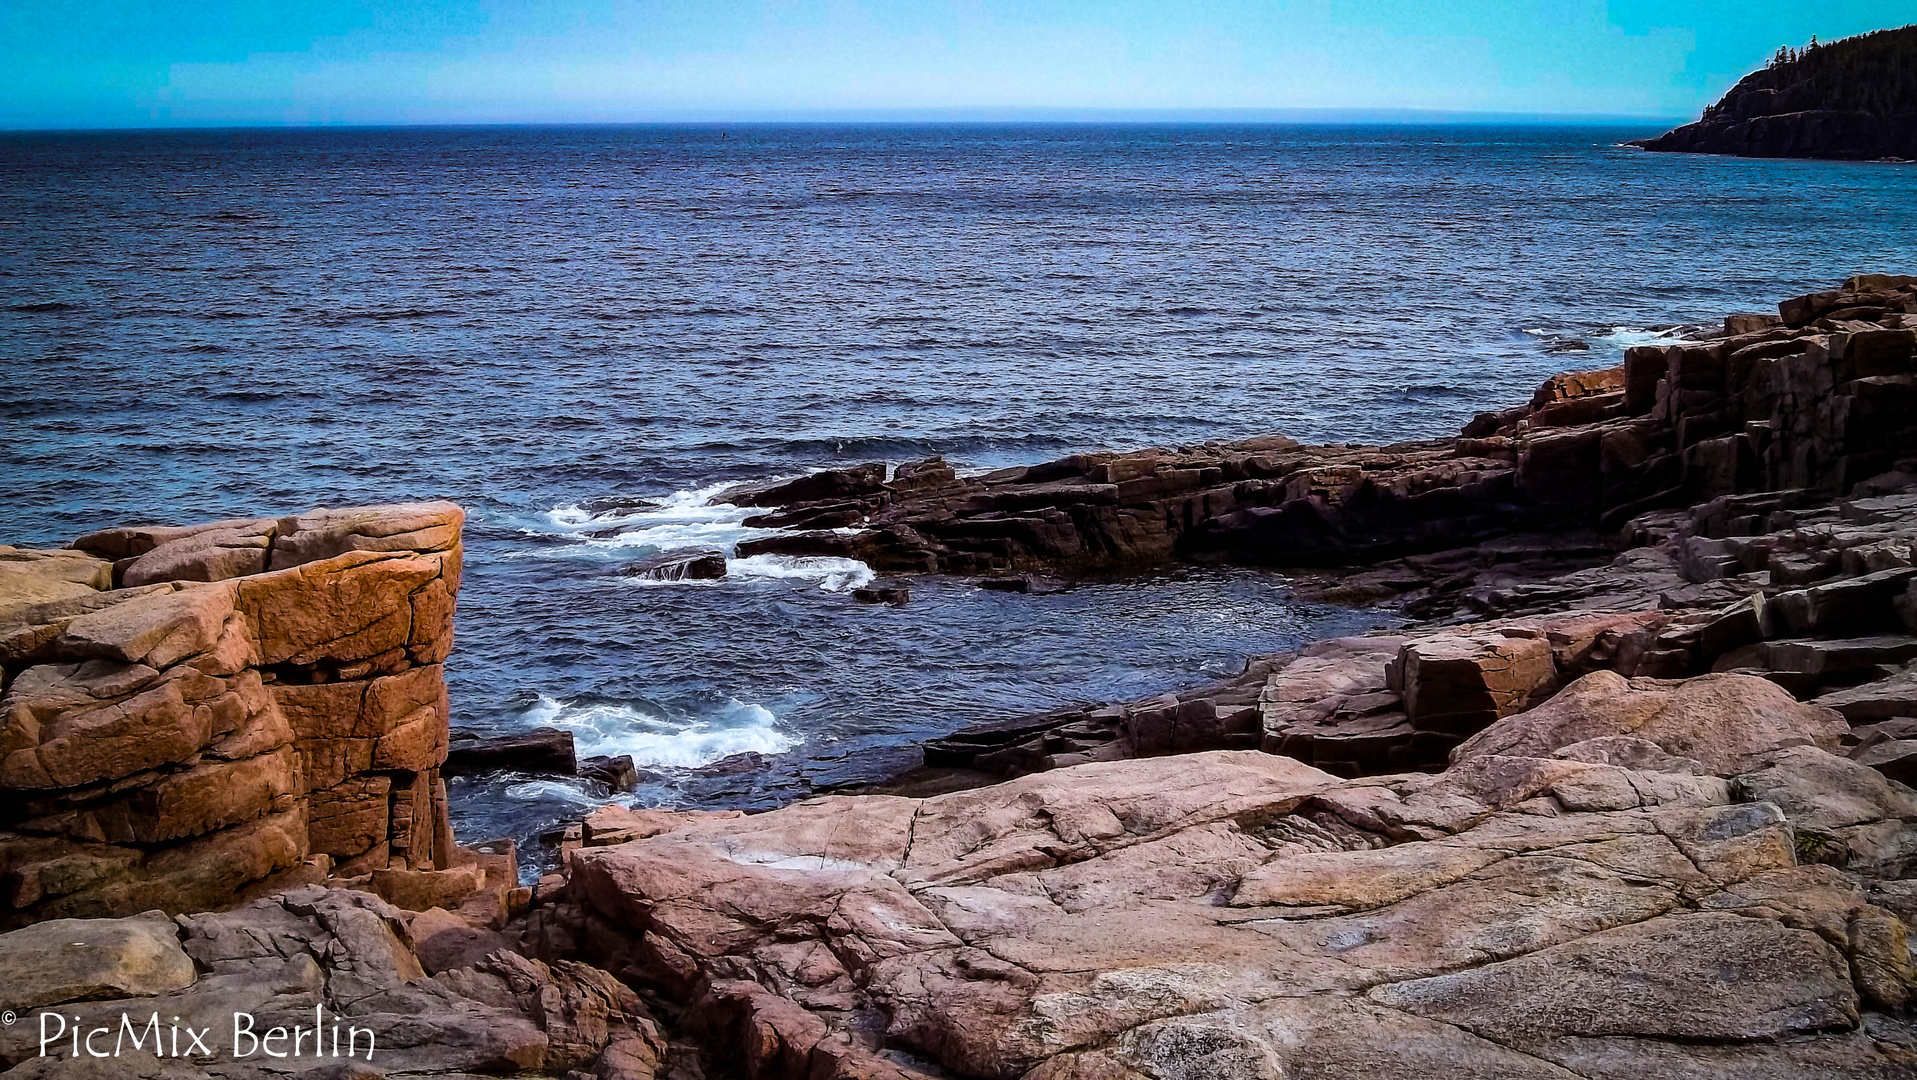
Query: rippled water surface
{"x": 581, "y": 333}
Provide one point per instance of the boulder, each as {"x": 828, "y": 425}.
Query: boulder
{"x": 204, "y": 555}
{"x": 1728, "y": 723}
{"x": 540, "y": 750}
{"x": 615, "y": 771}
{"x": 444, "y": 941}
{"x": 679, "y": 566}
{"x": 1882, "y": 699}
{"x": 1459, "y": 683}
{"x": 65, "y": 960}
{"x": 31, "y": 578}
{"x": 616, "y": 824}
{"x": 831, "y": 484}
{"x": 1895, "y": 758}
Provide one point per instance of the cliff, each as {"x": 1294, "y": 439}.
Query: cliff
{"x": 1855, "y": 99}
{"x": 192, "y": 713}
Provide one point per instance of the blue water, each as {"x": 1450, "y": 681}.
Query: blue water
{"x": 555, "y": 325}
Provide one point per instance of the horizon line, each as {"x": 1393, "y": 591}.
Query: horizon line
{"x": 954, "y": 115}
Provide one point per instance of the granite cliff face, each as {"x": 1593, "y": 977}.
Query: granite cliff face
{"x": 194, "y": 712}
{"x": 1853, "y": 99}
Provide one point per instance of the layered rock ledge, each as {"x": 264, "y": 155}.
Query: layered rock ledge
{"x": 1816, "y": 398}
{"x": 192, "y": 714}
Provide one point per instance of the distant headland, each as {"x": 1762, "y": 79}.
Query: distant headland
{"x": 1852, "y": 99}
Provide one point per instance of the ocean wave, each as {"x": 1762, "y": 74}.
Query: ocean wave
{"x": 569, "y": 792}
{"x": 684, "y": 519}
{"x": 1635, "y": 335}
{"x": 832, "y": 574}
{"x": 657, "y": 742}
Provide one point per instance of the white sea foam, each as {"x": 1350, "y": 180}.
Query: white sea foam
{"x": 684, "y": 519}
{"x": 832, "y": 574}
{"x": 660, "y": 743}
{"x": 1636, "y": 335}
{"x": 690, "y": 520}
{"x": 551, "y": 791}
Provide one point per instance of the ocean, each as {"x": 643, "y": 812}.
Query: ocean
{"x": 584, "y": 334}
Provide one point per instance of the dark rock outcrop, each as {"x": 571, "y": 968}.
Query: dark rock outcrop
{"x": 540, "y": 750}
{"x": 1851, "y": 99}
{"x": 1815, "y": 400}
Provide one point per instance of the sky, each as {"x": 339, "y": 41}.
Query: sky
{"x": 136, "y": 63}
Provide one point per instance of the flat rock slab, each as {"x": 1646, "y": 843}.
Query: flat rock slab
{"x": 89, "y": 959}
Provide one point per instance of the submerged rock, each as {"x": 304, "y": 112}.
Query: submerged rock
{"x": 894, "y": 595}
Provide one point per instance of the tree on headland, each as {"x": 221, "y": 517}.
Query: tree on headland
{"x": 1855, "y": 98}
{"x": 1873, "y": 73}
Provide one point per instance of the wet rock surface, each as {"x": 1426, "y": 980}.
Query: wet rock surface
{"x": 1813, "y": 401}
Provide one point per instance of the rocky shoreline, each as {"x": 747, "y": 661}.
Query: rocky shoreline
{"x": 1626, "y": 797}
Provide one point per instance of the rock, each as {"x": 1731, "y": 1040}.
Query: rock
{"x": 444, "y": 941}
{"x": 895, "y": 595}
{"x": 1458, "y": 684}
{"x": 679, "y": 566}
{"x": 618, "y": 824}
{"x": 1681, "y": 978}
{"x": 1874, "y": 701}
{"x": 1728, "y": 723}
{"x": 1827, "y": 661}
{"x": 617, "y": 772}
{"x": 32, "y": 578}
{"x": 1016, "y": 584}
{"x": 204, "y": 555}
{"x": 221, "y": 725}
{"x": 930, "y": 474}
{"x": 87, "y": 959}
{"x": 830, "y": 484}
{"x": 539, "y": 750}
{"x": 1895, "y": 758}
{"x": 421, "y": 890}
{"x": 1236, "y": 914}
{"x": 1824, "y": 793}
{"x": 1853, "y": 606}
{"x": 332, "y": 956}
{"x": 299, "y": 613}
